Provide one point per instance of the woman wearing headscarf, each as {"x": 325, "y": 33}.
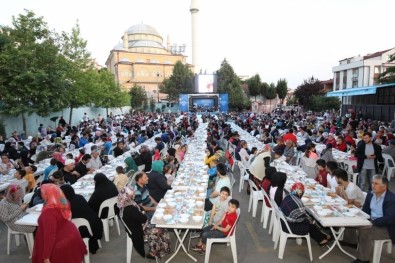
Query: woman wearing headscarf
{"x": 12, "y": 209}
{"x": 57, "y": 238}
{"x": 146, "y": 157}
{"x": 130, "y": 165}
{"x": 157, "y": 181}
{"x": 267, "y": 182}
{"x": 277, "y": 188}
{"x": 298, "y": 220}
{"x": 80, "y": 209}
{"x": 259, "y": 165}
{"x": 326, "y": 154}
{"x": 136, "y": 221}
{"x": 104, "y": 189}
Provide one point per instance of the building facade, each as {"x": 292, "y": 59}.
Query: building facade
{"x": 355, "y": 80}
{"x": 142, "y": 59}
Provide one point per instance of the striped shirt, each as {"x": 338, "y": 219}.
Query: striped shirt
{"x": 141, "y": 196}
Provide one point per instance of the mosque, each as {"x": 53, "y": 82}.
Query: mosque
{"x": 142, "y": 59}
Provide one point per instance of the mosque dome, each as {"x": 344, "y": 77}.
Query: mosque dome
{"x": 142, "y": 29}
{"x": 143, "y": 38}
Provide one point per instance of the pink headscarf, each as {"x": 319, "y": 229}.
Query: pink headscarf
{"x": 54, "y": 198}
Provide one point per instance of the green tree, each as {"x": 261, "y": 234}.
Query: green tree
{"x": 81, "y": 75}
{"x": 138, "y": 97}
{"x": 291, "y": 100}
{"x": 32, "y": 68}
{"x": 322, "y": 103}
{"x": 304, "y": 92}
{"x": 181, "y": 81}
{"x": 271, "y": 93}
{"x": 254, "y": 85}
{"x": 152, "y": 104}
{"x": 263, "y": 89}
{"x": 228, "y": 82}
{"x": 108, "y": 93}
{"x": 282, "y": 89}
{"x": 388, "y": 76}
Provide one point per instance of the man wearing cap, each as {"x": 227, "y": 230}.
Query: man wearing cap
{"x": 390, "y": 149}
{"x": 69, "y": 175}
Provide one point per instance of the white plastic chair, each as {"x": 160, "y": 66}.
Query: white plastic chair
{"x": 389, "y": 166}
{"x": 27, "y": 198}
{"x": 266, "y": 210}
{"x": 243, "y": 175}
{"x": 276, "y": 223}
{"x": 79, "y": 222}
{"x": 284, "y": 236}
{"x": 141, "y": 167}
{"x": 378, "y": 246}
{"x": 110, "y": 203}
{"x": 255, "y": 196}
{"x": 231, "y": 238}
{"x": 129, "y": 242}
{"x": 29, "y": 239}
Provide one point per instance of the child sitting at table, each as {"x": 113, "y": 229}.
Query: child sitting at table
{"x": 321, "y": 173}
{"x": 220, "y": 206}
{"x": 29, "y": 177}
{"x": 221, "y": 229}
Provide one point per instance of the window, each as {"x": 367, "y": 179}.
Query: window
{"x": 355, "y": 84}
{"x": 355, "y": 71}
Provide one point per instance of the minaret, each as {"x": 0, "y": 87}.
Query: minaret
{"x": 195, "y": 34}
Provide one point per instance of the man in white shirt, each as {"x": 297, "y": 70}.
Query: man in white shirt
{"x": 95, "y": 161}
{"x": 348, "y": 190}
{"x": 88, "y": 146}
{"x": 330, "y": 178}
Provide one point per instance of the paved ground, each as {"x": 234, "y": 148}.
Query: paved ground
{"x": 253, "y": 245}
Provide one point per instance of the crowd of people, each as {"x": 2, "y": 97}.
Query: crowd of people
{"x": 281, "y": 133}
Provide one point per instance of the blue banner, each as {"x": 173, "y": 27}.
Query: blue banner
{"x": 183, "y": 103}
{"x": 223, "y": 102}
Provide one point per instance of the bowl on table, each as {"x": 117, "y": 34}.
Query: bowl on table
{"x": 167, "y": 218}
{"x": 354, "y": 210}
{"x": 183, "y": 219}
{"x": 197, "y": 218}
{"x": 158, "y": 215}
{"x": 160, "y": 210}
{"x": 162, "y": 205}
{"x": 199, "y": 203}
{"x": 172, "y": 204}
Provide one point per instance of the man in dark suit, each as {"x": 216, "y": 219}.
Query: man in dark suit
{"x": 367, "y": 153}
{"x": 380, "y": 205}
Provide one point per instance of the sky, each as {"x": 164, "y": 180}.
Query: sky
{"x": 291, "y": 39}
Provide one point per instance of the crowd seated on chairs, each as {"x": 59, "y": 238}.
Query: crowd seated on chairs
{"x": 111, "y": 137}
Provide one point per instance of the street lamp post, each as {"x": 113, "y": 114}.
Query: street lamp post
{"x": 157, "y": 81}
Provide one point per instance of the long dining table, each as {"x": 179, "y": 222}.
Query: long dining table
{"x": 329, "y": 209}
{"x": 182, "y": 208}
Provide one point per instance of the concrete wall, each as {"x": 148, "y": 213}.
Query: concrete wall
{"x": 33, "y": 121}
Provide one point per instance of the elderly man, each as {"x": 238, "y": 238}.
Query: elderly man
{"x": 380, "y": 205}
{"x": 69, "y": 174}
{"x": 95, "y": 162}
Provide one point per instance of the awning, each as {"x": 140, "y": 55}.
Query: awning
{"x": 353, "y": 92}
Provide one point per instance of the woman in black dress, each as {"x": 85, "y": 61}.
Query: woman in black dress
{"x": 80, "y": 209}
{"x": 104, "y": 189}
